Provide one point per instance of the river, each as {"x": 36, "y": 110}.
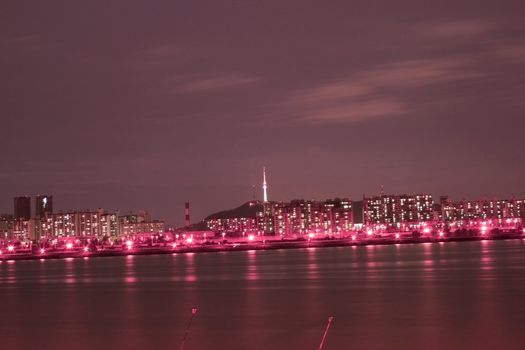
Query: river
{"x": 455, "y": 295}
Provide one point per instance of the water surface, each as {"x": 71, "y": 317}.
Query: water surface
{"x": 468, "y": 295}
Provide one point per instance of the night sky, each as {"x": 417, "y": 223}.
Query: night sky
{"x": 145, "y": 105}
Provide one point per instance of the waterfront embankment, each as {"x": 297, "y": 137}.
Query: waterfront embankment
{"x": 226, "y": 246}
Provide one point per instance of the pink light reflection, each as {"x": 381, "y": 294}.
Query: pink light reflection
{"x": 130, "y": 279}
{"x": 252, "y": 274}
{"x": 190, "y": 278}
{"x": 313, "y": 267}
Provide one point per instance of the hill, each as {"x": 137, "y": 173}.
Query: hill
{"x": 247, "y": 210}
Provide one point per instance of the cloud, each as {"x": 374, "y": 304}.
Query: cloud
{"x": 27, "y": 43}
{"x": 512, "y": 53}
{"x": 159, "y": 57}
{"x": 416, "y": 73}
{"x": 21, "y": 39}
{"x": 180, "y": 73}
{"x": 454, "y": 29}
{"x": 374, "y": 92}
{"x": 356, "y": 111}
{"x": 333, "y": 91}
{"x": 206, "y": 83}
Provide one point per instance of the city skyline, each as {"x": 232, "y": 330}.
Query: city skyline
{"x": 23, "y": 210}
{"x": 164, "y": 110}
{"x": 262, "y": 174}
{"x": 180, "y": 218}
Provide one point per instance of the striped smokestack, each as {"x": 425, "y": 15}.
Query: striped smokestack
{"x": 187, "y": 213}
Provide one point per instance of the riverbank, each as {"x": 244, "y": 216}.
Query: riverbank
{"x": 267, "y": 245}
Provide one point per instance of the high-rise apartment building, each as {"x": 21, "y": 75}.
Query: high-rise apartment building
{"x": 43, "y": 206}
{"x": 396, "y": 209}
{"x": 22, "y": 208}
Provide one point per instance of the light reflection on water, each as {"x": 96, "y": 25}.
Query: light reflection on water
{"x": 252, "y": 274}
{"x": 448, "y": 295}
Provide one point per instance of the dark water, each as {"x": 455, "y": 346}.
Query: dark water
{"x": 428, "y": 296}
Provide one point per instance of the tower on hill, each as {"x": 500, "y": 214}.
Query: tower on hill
{"x": 265, "y": 187}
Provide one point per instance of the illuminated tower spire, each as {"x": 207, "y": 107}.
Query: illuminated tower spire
{"x": 265, "y": 187}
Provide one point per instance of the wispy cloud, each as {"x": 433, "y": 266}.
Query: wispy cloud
{"x": 21, "y": 39}
{"x": 416, "y": 73}
{"x": 223, "y": 81}
{"x": 159, "y": 57}
{"x": 454, "y": 29}
{"x": 27, "y": 43}
{"x": 182, "y": 73}
{"x": 355, "y": 111}
{"x": 511, "y": 53}
{"x": 374, "y": 92}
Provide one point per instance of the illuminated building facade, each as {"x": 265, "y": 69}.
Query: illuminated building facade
{"x": 303, "y": 216}
{"x": 396, "y": 209}
{"x": 287, "y": 218}
{"x": 83, "y": 223}
{"x": 109, "y": 225}
{"x": 6, "y": 226}
{"x": 495, "y": 209}
{"x": 46, "y": 224}
{"x": 139, "y": 222}
{"x": 248, "y": 218}
{"x": 127, "y": 229}
{"x": 233, "y": 226}
{"x": 134, "y": 218}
